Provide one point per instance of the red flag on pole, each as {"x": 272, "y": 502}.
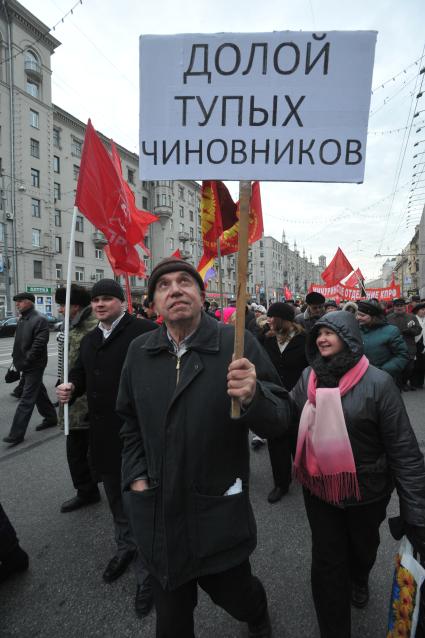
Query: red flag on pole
{"x": 287, "y": 293}
{"x": 104, "y": 200}
{"x": 354, "y": 279}
{"x": 339, "y": 268}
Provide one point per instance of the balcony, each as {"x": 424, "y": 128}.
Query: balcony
{"x": 33, "y": 69}
{"x": 164, "y": 212}
{"x": 99, "y": 239}
{"x": 183, "y": 236}
{"x": 186, "y": 254}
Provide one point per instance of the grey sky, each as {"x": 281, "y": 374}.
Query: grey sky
{"x": 95, "y": 74}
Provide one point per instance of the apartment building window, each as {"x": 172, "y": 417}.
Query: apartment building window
{"x": 181, "y": 211}
{"x": 171, "y": 243}
{"x": 79, "y": 273}
{"x": 35, "y": 207}
{"x": 181, "y": 228}
{"x": 33, "y": 88}
{"x": 58, "y": 244}
{"x": 191, "y": 215}
{"x": 130, "y": 175}
{"x": 57, "y": 191}
{"x": 35, "y": 178}
{"x": 1, "y": 231}
{"x": 144, "y": 203}
{"x": 56, "y": 137}
{"x": 98, "y": 253}
{"x": 36, "y": 237}
{"x": 79, "y": 249}
{"x": 34, "y": 119}
{"x": 34, "y": 148}
{"x": 100, "y": 274}
{"x": 56, "y": 164}
{"x": 181, "y": 192}
{"x": 191, "y": 233}
{"x": 58, "y": 271}
{"x": 58, "y": 218}
{"x": 76, "y": 147}
{"x": 76, "y": 171}
{"x": 37, "y": 269}
{"x": 79, "y": 223}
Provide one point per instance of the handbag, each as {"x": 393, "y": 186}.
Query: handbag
{"x": 405, "y": 594}
{"x": 12, "y": 375}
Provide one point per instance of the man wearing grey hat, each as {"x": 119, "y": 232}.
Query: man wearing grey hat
{"x": 186, "y": 460}
{"x": 97, "y": 373}
{"x": 30, "y": 357}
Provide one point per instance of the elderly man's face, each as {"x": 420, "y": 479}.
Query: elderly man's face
{"x": 23, "y": 304}
{"x": 178, "y": 298}
{"x": 316, "y": 309}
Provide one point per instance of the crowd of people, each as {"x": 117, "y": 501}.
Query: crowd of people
{"x": 149, "y": 397}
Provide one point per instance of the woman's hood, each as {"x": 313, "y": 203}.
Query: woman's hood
{"x": 345, "y": 325}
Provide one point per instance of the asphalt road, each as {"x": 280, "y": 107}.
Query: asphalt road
{"x": 63, "y": 595}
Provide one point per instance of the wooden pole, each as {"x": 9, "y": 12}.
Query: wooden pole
{"x": 244, "y": 207}
{"x": 66, "y": 322}
{"x": 220, "y": 280}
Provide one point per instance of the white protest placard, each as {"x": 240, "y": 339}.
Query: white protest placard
{"x": 286, "y": 106}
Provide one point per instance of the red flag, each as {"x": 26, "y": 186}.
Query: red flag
{"x": 287, "y": 293}
{"x": 339, "y": 268}
{"x": 354, "y": 279}
{"x": 102, "y": 198}
{"x": 177, "y": 254}
{"x": 230, "y": 238}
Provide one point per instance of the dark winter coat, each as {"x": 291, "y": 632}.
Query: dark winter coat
{"x": 385, "y": 347}
{"x": 401, "y": 320}
{"x": 384, "y": 445}
{"x": 31, "y": 339}
{"x": 291, "y": 362}
{"x": 97, "y": 372}
{"x": 306, "y": 321}
{"x": 182, "y": 438}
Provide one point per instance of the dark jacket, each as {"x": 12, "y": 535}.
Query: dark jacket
{"x": 181, "y": 436}
{"x": 385, "y": 347}
{"x": 408, "y": 332}
{"x": 31, "y": 339}
{"x": 97, "y": 372}
{"x": 384, "y": 445}
{"x": 305, "y": 320}
{"x": 291, "y": 362}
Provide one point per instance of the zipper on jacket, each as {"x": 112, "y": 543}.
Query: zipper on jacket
{"x": 178, "y": 369}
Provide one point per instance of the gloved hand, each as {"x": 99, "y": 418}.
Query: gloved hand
{"x": 416, "y": 536}
{"x": 397, "y": 527}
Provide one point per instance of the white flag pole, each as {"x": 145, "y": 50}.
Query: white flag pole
{"x": 67, "y": 300}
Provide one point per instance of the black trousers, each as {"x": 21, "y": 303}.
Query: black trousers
{"x": 8, "y": 538}
{"x": 345, "y": 544}
{"x": 33, "y": 394}
{"x": 236, "y": 590}
{"x": 281, "y": 452}
{"x": 78, "y": 455}
{"x": 418, "y": 374}
{"x": 407, "y": 372}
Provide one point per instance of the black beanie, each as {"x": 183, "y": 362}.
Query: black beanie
{"x": 79, "y": 296}
{"x": 315, "y": 299}
{"x": 24, "y": 295}
{"x": 372, "y": 308}
{"x": 172, "y": 264}
{"x": 282, "y": 311}
{"x": 109, "y": 288}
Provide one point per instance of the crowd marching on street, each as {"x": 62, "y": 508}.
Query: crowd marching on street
{"x": 149, "y": 392}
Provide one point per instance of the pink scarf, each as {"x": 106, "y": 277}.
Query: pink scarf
{"x": 324, "y": 461}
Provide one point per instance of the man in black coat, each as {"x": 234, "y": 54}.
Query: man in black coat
{"x": 97, "y": 372}
{"x": 315, "y": 309}
{"x": 30, "y": 357}
{"x": 186, "y": 461}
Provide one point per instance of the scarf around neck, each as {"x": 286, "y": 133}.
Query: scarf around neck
{"x": 324, "y": 461}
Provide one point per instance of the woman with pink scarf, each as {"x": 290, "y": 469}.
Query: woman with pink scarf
{"x": 355, "y": 443}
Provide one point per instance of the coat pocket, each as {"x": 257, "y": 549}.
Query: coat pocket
{"x": 223, "y": 522}
{"x": 141, "y": 510}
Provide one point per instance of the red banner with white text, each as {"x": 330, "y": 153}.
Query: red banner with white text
{"x": 346, "y": 293}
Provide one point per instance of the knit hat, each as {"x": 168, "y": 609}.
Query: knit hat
{"x": 260, "y": 309}
{"x": 399, "y": 302}
{"x": 370, "y": 307}
{"x": 419, "y": 306}
{"x": 109, "y": 288}
{"x": 315, "y": 298}
{"x": 331, "y": 304}
{"x": 79, "y": 296}
{"x": 172, "y": 264}
{"x": 24, "y": 295}
{"x": 282, "y": 311}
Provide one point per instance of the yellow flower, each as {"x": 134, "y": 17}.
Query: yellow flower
{"x": 405, "y": 579}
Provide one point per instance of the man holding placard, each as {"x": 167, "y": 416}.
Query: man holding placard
{"x": 186, "y": 461}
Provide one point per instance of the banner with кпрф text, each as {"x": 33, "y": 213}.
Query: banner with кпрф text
{"x": 286, "y": 106}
